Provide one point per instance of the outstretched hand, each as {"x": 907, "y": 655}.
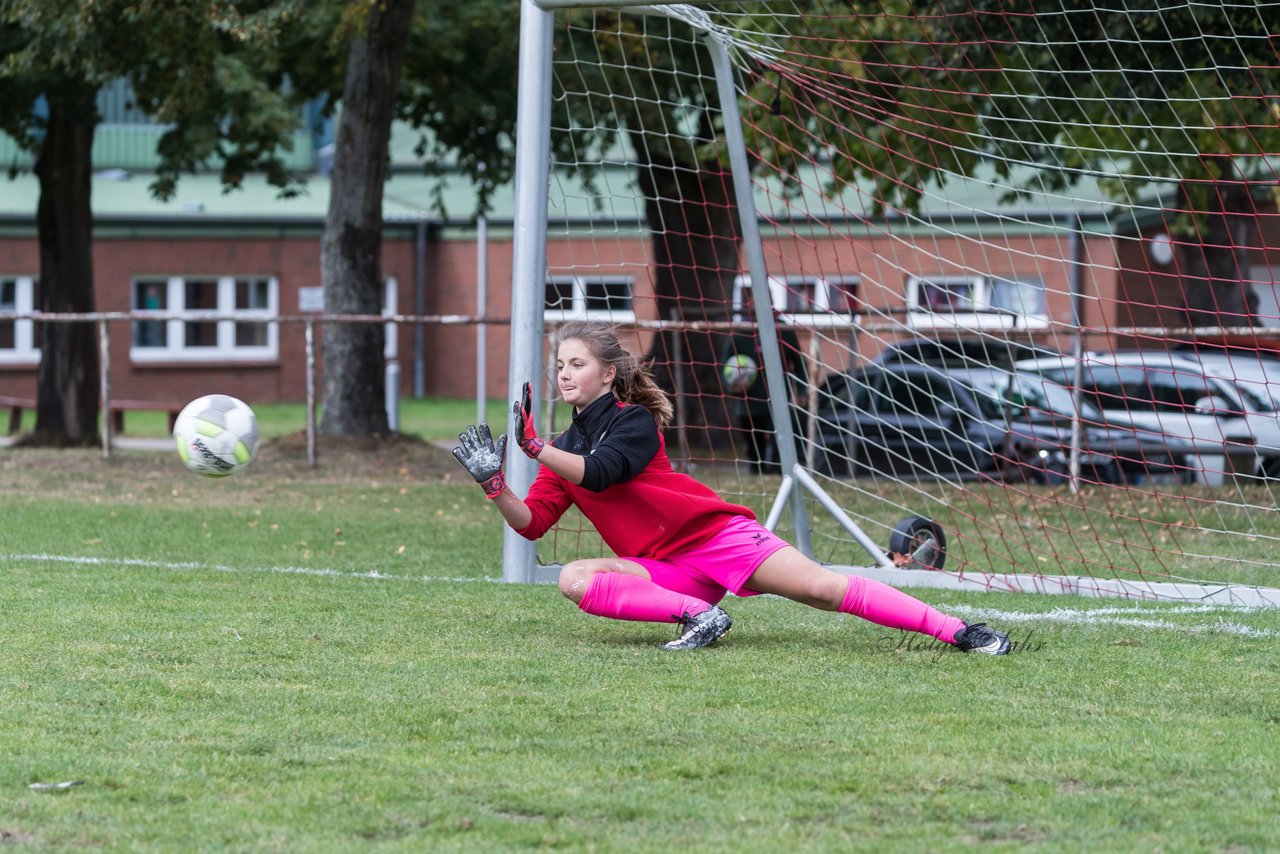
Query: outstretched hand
{"x": 526, "y": 433}
{"x": 482, "y": 459}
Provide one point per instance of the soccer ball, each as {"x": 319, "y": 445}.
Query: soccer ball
{"x": 739, "y": 372}
{"x": 216, "y": 435}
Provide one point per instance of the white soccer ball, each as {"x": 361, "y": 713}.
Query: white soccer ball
{"x": 738, "y": 373}
{"x": 216, "y": 435}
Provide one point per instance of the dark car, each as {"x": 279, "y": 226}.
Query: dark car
{"x": 923, "y": 421}
{"x": 963, "y": 351}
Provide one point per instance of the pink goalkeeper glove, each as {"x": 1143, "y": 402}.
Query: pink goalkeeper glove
{"x": 526, "y": 433}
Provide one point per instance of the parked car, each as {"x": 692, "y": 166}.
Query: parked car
{"x": 969, "y": 351}
{"x": 1255, "y": 372}
{"x": 1177, "y": 397}
{"x": 923, "y": 421}
{"x": 1257, "y": 377}
{"x": 1113, "y": 451}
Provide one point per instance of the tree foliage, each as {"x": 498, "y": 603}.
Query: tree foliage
{"x": 1179, "y": 97}
{"x": 211, "y": 71}
{"x": 460, "y": 88}
{"x": 1184, "y": 93}
{"x": 1182, "y": 96}
{"x": 909, "y": 94}
{"x": 859, "y": 89}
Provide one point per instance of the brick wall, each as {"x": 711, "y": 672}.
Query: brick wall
{"x": 450, "y": 277}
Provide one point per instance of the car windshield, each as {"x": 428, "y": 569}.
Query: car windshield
{"x": 1259, "y": 382}
{"x": 1039, "y": 394}
{"x": 1260, "y": 395}
{"x": 988, "y": 387}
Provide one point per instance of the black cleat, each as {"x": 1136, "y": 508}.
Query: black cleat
{"x": 701, "y": 629}
{"x": 980, "y": 637}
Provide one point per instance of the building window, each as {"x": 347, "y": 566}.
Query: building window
{"x": 806, "y": 300}
{"x": 253, "y": 295}
{"x": 976, "y": 302}
{"x": 946, "y": 295}
{"x": 205, "y": 318}
{"x": 19, "y": 339}
{"x": 590, "y": 298}
{"x": 842, "y": 296}
{"x": 1021, "y": 296}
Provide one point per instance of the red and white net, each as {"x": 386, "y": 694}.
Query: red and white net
{"x": 1026, "y": 265}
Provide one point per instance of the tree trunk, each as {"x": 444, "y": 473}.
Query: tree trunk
{"x": 1217, "y": 266}
{"x": 67, "y": 382}
{"x": 351, "y": 249}
{"x": 693, "y": 218}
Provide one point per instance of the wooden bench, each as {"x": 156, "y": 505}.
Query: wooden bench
{"x": 16, "y": 405}
{"x": 120, "y": 407}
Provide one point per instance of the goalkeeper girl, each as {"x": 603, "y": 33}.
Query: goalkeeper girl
{"x": 680, "y": 547}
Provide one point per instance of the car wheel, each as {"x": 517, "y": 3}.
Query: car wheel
{"x": 920, "y": 541}
{"x": 1270, "y": 468}
{"x": 1108, "y": 473}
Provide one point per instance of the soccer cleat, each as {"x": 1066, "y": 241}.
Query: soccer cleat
{"x": 980, "y": 637}
{"x": 701, "y": 629}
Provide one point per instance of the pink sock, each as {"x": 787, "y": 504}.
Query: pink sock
{"x": 630, "y": 597}
{"x": 888, "y": 606}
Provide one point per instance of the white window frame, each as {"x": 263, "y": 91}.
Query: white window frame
{"x": 579, "y": 310}
{"x": 24, "y": 350}
{"x": 781, "y": 286}
{"x": 980, "y": 315}
{"x": 175, "y": 350}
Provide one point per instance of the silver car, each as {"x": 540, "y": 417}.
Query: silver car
{"x": 1180, "y": 398}
{"x": 1257, "y": 377}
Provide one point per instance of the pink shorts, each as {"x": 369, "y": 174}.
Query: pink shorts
{"x": 721, "y": 565}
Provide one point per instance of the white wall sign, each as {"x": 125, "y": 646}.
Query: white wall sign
{"x": 311, "y": 299}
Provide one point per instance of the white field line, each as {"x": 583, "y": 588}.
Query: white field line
{"x": 1117, "y": 617}
{"x": 1142, "y": 617}
{"x": 217, "y": 567}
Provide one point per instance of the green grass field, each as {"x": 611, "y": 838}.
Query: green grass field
{"x": 321, "y": 660}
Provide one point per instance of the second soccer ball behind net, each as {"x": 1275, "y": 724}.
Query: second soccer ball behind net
{"x": 738, "y": 373}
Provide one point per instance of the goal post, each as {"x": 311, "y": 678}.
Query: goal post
{"x": 925, "y": 299}
{"x": 753, "y": 248}
{"x": 529, "y": 254}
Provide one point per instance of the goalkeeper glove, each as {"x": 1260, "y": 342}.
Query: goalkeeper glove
{"x": 526, "y": 434}
{"x": 482, "y": 459}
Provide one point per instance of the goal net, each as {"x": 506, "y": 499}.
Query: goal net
{"x": 958, "y": 294}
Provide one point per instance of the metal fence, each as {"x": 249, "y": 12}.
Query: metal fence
{"x": 308, "y": 321}
{"x": 858, "y": 326}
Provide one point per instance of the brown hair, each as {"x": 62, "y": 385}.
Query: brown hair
{"x": 634, "y": 383}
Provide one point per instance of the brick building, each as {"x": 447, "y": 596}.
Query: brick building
{"x": 256, "y": 256}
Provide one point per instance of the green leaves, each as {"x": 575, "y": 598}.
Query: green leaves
{"x": 212, "y": 72}
{"x": 904, "y": 98}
